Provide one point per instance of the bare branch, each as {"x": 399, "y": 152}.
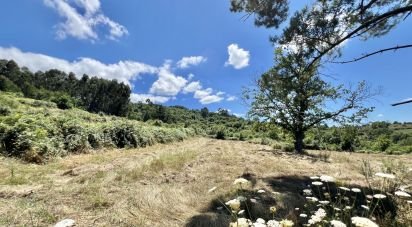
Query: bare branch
{"x": 373, "y": 53}
{"x": 402, "y": 102}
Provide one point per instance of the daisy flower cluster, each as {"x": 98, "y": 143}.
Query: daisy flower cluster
{"x": 239, "y": 209}
{"x": 327, "y": 203}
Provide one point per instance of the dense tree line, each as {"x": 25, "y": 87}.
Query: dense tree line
{"x": 66, "y": 90}
{"x": 111, "y": 97}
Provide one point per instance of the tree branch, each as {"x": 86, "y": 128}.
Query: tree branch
{"x": 362, "y": 26}
{"x": 373, "y": 53}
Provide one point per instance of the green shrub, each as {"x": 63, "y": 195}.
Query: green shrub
{"x": 288, "y": 147}
{"x": 16, "y": 142}
{"x": 64, "y": 102}
{"x": 95, "y": 140}
{"x": 220, "y": 135}
{"x": 124, "y": 136}
{"x": 277, "y": 146}
{"x": 273, "y": 135}
{"x": 265, "y": 141}
{"x": 382, "y": 143}
{"x": 242, "y": 137}
{"x": 4, "y": 111}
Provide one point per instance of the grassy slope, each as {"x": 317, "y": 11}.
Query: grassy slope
{"x": 163, "y": 185}
{"x": 42, "y": 131}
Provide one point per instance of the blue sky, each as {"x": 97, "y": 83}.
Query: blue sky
{"x": 191, "y": 53}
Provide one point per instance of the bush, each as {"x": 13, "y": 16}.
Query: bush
{"x": 382, "y": 143}
{"x": 288, "y": 147}
{"x": 124, "y": 136}
{"x": 220, "y": 135}
{"x": 242, "y": 137}
{"x": 265, "y": 141}
{"x": 273, "y": 135}
{"x": 64, "y": 102}
{"x": 277, "y": 146}
{"x": 4, "y": 111}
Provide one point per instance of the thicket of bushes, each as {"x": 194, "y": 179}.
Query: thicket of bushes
{"x": 36, "y": 130}
{"x": 376, "y": 137}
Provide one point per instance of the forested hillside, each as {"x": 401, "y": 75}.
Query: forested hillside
{"x": 109, "y": 97}
{"x": 66, "y": 90}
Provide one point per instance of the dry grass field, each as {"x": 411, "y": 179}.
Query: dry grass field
{"x": 166, "y": 185}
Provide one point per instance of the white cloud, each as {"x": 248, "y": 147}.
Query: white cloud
{"x": 186, "y": 62}
{"x": 143, "y": 97}
{"x": 238, "y": 57}
{"x": 168, "y": 84}
{"x": 231, "y": 98}
{"x": 380, "y": 115}
{"x": 123, "y": 71}
{"x": 405, "y": 100}
{"x": 190, "y": 76}
{"x": 91, "y": 6}
{"x": 239, "y": 115}
{"x": 192, "y": 87}
{"x": 83, "y": 26}
{"x": 206, "y": 96}
{"x": 165, "y": 88}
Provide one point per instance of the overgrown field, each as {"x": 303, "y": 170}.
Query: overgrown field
{"x": 168, "y": 185}
{"x": 36, "y": 130}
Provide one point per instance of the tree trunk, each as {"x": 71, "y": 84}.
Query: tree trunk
{"x": 299, "y": 136}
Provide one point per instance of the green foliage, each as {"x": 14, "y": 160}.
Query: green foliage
{"x": 376, "y": 136}
{"x": 64, "y": 102}
{"x": 36, "y": 132}
{"x": 242, "y": 136}
{"x": 382, "y": 143}
{"x": 204, "y": 112}
{"x": 349, "y": 140}
{"x": 294, "y": 98}
{"x": 268, "y": 13}
{"x": 287, "y": 147}
{"x": 4, "y": 111}
{"x": 92, "y": 94}
{"x": 293, "y": 95}
{"x": 7, "y": 85}
{"x": 221, "y": 135}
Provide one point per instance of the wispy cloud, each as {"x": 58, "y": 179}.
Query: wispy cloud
{"x": 231, "y": 98}
{"x": 84, "y": 25}
{"x": 186, "y": 62}
{"x": 153, "y": 98}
